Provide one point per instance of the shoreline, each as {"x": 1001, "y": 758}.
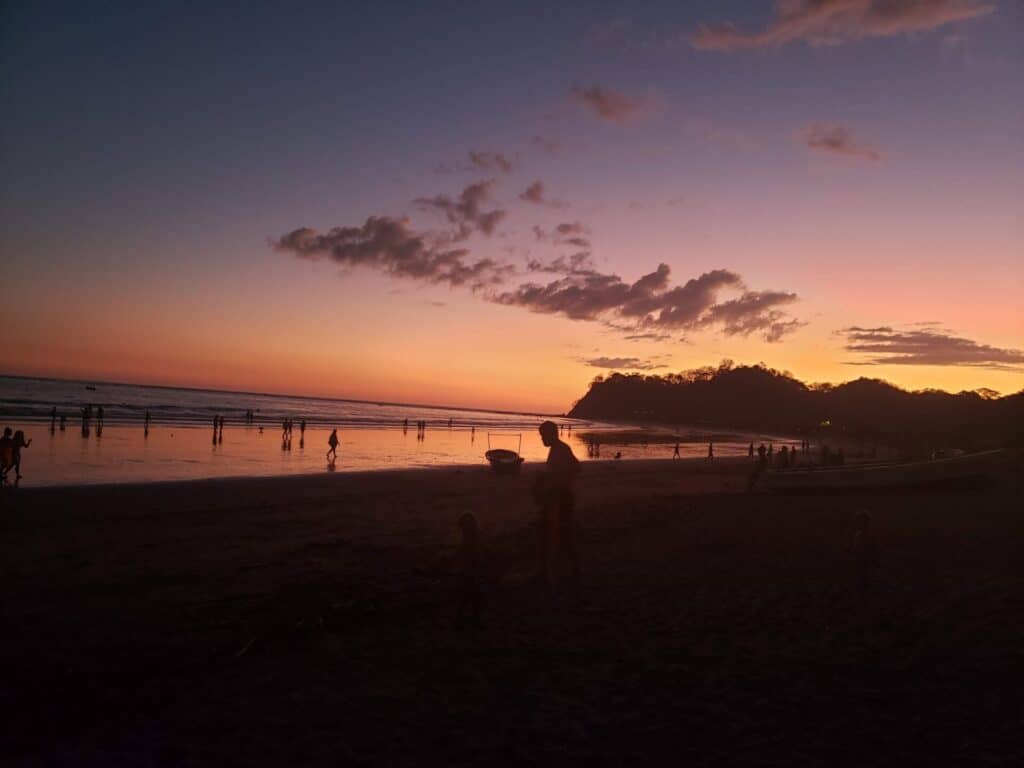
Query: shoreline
{"x": 725, "y": 465}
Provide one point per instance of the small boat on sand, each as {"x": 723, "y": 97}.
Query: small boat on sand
{"x": 954, "y": 471}
{"x": 504, "y": 461}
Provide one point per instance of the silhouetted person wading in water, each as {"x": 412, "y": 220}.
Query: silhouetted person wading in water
{"x": 553, "y": 493}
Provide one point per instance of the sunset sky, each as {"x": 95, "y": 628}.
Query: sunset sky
{"x": 487, "y": 206}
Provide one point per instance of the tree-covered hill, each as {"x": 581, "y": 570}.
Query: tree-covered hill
{"x": 759, "y": 398}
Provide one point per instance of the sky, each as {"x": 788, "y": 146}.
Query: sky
{"x": 489, "y": 205}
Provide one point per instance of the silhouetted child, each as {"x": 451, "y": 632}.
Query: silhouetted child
{"x": 864, "y": 550}
{"x": 19, "y": 443}
{"x": 332, "y": 451}
{"x": 469, "y": 587}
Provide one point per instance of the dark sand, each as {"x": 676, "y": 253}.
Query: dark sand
{"x": 279, "y": 621}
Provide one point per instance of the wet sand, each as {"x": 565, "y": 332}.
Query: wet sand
{"x": 282, "y": 621}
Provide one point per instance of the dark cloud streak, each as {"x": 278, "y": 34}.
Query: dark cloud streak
{"x": 608, "y": 104}
{"x": 388, "y": 245}
{"x": 837, "y": 140}
{"x": 623, "y": 363}
{"x": 833, "y": 22}
{"x": 885, "y": 345}
{"x": 651, "y": 304}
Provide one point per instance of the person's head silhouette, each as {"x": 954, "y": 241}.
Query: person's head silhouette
{"x": 548, "y": 433}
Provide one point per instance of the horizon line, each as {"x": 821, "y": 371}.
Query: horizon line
{"x": 282, "y": 395}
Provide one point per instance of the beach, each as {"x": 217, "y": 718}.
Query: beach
{"x": 299, "y": 620}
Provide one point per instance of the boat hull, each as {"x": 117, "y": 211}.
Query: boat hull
{"x": 504, "y": 462}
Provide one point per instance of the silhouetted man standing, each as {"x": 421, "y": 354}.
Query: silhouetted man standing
{"x": 554, "y": 496}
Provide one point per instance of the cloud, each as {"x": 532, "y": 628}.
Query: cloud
{"x": 651, "y": 305}
{"x": 927, "y": 346}
{"x": 545, "y": 145}
{"x": 608, "y": 104}
{"x": 489, "y": 161}
{"x": 626, "y": 363}
{"x": 388, "y": 245}
{"x": 836, "y": 140}
{"x": 754, "y": 311}
{"x": 649, "y": 336}
{"x": 567, "y": 233}
{"x": 575, "y": 264}
{"x": 833, "y": 22}
{"x": 647, "y": 309}
{"x": 467, "y": 211}
{"x": 535, "y": 194}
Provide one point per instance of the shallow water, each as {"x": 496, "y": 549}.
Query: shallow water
{"x": 179, "y": 443}
{"x": 126, "y": 453}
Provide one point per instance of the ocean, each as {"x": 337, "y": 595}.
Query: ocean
{"x": 180, "y": 443}
{"x": 31, "y": 400}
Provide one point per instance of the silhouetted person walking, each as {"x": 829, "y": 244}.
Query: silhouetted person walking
{"x": 675, "y": 452}
{"x": 553, "y": 493}
{"x": 711, "y": 451}
{"x": 332, "y": 451}
{"x": 99, "y": 416}
{"x": 750, "y": 451}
